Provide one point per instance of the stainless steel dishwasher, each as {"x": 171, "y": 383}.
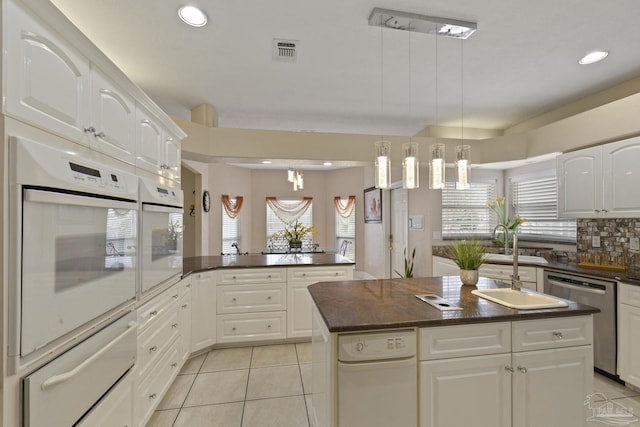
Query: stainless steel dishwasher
{"x": 596, "y": 293}
{"x": 378, "y": 379}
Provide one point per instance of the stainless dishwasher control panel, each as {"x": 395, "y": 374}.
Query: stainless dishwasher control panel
{"x": 377, "y": 345}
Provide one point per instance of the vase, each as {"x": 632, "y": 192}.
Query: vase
{"x": 469, "y": 277}
{"x": 295, "y": 246}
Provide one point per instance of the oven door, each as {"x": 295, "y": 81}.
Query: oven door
{"x": 161, "y": 244}
{"x": 78, "y": 262}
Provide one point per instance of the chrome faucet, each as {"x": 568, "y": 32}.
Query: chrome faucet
{"x": 506, "y": 236}
{"x": 516, "y": 284}
{"x": 235, "y": 245}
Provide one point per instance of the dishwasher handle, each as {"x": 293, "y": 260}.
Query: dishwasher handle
{"x": 585, "y": 289}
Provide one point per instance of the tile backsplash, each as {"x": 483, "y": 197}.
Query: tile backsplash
{"x": 614, "y": 236}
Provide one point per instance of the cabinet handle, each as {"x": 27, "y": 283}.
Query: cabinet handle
{"x": 596, "y": 210}
{"x": 154, "y": 348}
{"x": 268, "y": 276}
{"x": 337, "y": 274}
{"x": 269, "y": 298}
{"x": 269, "y": 326}
{"x": 233, "y": 277}
{"x": 604, "y": 210}
{"x": 152, "y": 396}
{"x": 100, "y": 135}
{"x": 174, "y": 364}
{"x": 188, "y": 285}
{"x": 233, "y": 300}
{"x": 153, "y": 313}
{"x": 185, "y": 305}
{"x": 522, "y": 369}
{"x": 174, "y": 325}
{"x": 233, "y": 329}
{"x": 304, "y": 274}
{"x": 90, "y": 129}
{"x": 509, "y": 369}
{"x": 557, "y": 335}
{"x": 175, "y": 296}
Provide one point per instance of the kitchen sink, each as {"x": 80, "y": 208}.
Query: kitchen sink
{"x": 526, "y": 259}
{"x": 520, "y": 300}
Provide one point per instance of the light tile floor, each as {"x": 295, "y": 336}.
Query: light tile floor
{"x": 271, "y": 386}
{"x": 241, "y": 387}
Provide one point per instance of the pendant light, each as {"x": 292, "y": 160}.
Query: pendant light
{"x": 463, "y": 152}
{"x": 436, "y": 161}
{"x": 382, "y": 175}
{"x": 410, "y": 166}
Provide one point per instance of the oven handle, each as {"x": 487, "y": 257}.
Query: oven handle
{"x": 60, "y": 378}
{"x": 160, "y": 209}
{"x": 576, "y": 288}
{"x": 71, "y": 199}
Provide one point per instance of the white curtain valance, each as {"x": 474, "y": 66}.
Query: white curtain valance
{"x": 289, "y": 211}
{"x": 344, "y": 208}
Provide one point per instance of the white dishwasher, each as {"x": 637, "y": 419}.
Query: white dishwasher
{"x": 378, "y": 379}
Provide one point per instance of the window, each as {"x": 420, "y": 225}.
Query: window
{"x": 465, "y": 212}
{"x": 275, "y": 224}
{"x": 536, "y": 200}
{"x": 230, "y": 232}
{"x": 346, "y": 232}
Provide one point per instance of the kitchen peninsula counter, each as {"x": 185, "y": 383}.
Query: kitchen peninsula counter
{"x": 204, "y": 263}
{"x": 391, "y": 303}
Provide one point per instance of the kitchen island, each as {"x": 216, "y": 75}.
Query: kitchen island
{"x": 477, "y": 363}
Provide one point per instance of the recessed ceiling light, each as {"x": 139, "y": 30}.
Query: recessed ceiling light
{"x": 593, "y": 57}
{"x": 327, "y": 163}
{"x": 266, "y": 162}
{"x": 193, "y": 16}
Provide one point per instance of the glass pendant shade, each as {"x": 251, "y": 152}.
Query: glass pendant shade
{"x": 383, "y": 164}
{"x": 463, "y": 166}
{"x": 410, "y": 166}
{"x": 436, "y": 167}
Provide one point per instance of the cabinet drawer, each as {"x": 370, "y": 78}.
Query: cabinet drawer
{"x": 629, "y": 294}
{"x": 154, "y": 386}
{"x": 443, "y": 342}
{"x": 504, "y": 272}
{"x": 159, "y": 305}
{"x": 261, "y": 275}
{"x": 324, "y": 274}
{"x": 551, "y": 333}
{"x": 251, "y": 298}
{"x": 251, "y": 326}
{"x": 153, "y": 341}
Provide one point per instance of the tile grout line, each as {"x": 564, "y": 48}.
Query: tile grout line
{"x": 302, "y": 383}
{"x": 246, "y": 390}
{"x": 190, "y": 387}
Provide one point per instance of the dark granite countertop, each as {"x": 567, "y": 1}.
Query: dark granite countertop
{"x": 359, "y": 305}
{"x": 203, "y": 263}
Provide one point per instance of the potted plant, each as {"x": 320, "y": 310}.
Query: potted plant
{"x": 469, "y": 255}
{"x": 294, "y": 233}
{"x": 408, "y": 265}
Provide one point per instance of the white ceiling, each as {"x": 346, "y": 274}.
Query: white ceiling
{"x": 521, "y": 62}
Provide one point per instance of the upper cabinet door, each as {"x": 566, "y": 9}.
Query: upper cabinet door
{"x": 580, "y": 184}
{"x": 149, "y": 144}
{"x": 49, "y": 80}
{"x": 172, "y": 146}
{"x": 112, "y": 118}
{"x": 621, "y": 164}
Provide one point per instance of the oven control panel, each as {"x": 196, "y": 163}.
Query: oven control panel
{"x": 98, "y": 177}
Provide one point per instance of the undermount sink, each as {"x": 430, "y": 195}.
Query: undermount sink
{"x": 526, "y": 259}
{"x": 520, "y": 300}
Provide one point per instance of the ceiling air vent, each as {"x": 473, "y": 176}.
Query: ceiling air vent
{"x": 285, "y": 50}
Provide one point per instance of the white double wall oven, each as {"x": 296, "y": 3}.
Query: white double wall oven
{"x": 88, "y": 239}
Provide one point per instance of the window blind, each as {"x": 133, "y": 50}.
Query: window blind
{"x": 275, "y": 224}
{"x": 346, "y": 231}
{"x": 465, "y": 212}
{"x": 537, "y": 201}
{"x": 230, "y": 231}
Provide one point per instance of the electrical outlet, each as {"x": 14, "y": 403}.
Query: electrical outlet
{"x": 634, "y": 244}
{"x": 595, "y": 241}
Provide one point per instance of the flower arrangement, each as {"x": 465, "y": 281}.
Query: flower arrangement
{"x": 294, "y": 232}
{"x": 499, "y": 207}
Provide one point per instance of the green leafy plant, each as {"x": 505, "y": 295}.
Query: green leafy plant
{"x": 294, "y": 232}
{"x": 468, "y": 254}
{"x": 408, "y": 264}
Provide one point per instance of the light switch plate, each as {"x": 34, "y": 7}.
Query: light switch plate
{"x": 595, "y": 241}
{"x": 634, "y": 243}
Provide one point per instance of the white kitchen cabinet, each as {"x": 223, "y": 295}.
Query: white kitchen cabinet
{"x": 498, "y": 382}
{"x": 550, "y": 386}
{"x": 115, "y": 409}
{"x": 149, "y": 143}
{"x": 467, "y": 391}
{"x": 203, "y": 310}
{"x": 48, "y": 80}
{"x": 113, "y": 114}
{"x": 628, "y": 327}
{"x": 171, "y": 155}
{"x": 299, "y": 303}
{"x": 184, "y": 318}
{"x": 600, "y": 181}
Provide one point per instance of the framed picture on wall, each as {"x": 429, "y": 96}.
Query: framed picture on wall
{"x": 373, "y": 205}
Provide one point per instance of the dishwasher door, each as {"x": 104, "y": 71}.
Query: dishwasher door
{"x": 378, "y": 380}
